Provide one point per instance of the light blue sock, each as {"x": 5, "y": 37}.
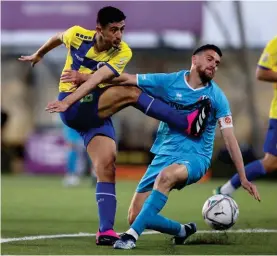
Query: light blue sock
{"x": 149, "y": 218}
{"x": 164, "y": 225}
{"x": 72, "y": 161}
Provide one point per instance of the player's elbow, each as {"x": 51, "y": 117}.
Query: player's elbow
{"x": 260, "y": 74}
{"x": 59, "y": 36}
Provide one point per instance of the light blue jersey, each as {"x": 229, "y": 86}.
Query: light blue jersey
{"x": 171, "y": 146}
{"x": 174, "y": 89}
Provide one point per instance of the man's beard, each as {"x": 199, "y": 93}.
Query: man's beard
{"x": 203, "y": 77}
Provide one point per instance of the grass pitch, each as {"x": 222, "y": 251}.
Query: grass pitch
{"x": 35, "y": 206}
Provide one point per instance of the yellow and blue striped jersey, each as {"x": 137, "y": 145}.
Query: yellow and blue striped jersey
{"x": 268, "y": 60}
{"x": 82, "y": 56}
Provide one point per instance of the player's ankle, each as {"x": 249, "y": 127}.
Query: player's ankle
{"x": 227, "y": 188}
{"x": 182, "y": 231}
{"x": 133, "y": 233}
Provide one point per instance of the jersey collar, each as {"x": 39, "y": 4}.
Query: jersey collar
{"x": 198, "y": 89}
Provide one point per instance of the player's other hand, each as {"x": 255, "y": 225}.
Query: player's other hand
{"x": 57, "y": 107}
{"x": 35, "y": 58}
{"x": 72, "y": 76}
{"x": 251, "y": 188}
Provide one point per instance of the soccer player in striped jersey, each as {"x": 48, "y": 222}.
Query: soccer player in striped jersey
{"x": 88, "y": 108}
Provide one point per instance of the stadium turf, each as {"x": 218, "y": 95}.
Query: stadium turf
{"x": 38, "y": 206}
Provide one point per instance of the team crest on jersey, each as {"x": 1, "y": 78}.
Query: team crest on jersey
{"x": 121, "y": 62}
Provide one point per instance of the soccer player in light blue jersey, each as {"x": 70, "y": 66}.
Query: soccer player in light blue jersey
{"x": 180, "y": 160}
{"x": 74, "y": 155}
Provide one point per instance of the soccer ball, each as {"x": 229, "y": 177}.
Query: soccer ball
{"x": 220, "y": 212}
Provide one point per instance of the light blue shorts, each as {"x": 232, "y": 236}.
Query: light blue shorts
{"x": 196, "y": 166}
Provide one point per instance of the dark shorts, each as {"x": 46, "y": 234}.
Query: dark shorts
{"x": 82, "y": 116}
{"x": 270, "y": 145}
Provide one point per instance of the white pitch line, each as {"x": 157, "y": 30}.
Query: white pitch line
{"x": 30, "y": 238}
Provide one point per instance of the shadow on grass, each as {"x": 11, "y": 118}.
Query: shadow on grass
{"x": 216, "y": 239}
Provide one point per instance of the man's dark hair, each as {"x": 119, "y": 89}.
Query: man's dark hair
{"x": 108, "y": 15}
{"x": 208, "y": 47}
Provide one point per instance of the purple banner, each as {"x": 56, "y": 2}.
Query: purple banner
{"x": 45, "y": 153}
{"x": 146, "y": 16}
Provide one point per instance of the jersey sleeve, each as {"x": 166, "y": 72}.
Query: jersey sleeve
{"x": 222, "y": 106}
{"x": 119, "y": 61}
{"x": 268, "y": 58}
{"x": 155, "y": 84}
{"x": 69, "y": 36}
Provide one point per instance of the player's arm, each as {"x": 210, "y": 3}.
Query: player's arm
{"x": 101, "y": 75}
{"x": 227, "y": 131}
{"x": 67, "y": 37}
{"x": 266, "y": 75}
{"x": 268, "y": 60}
{"x": 77, "y": 78}
{"x": 224, "y": 117}
{"x": 125, "y": 79}
{"x": 232, "y": 146}
{"x": 52, "y": 43}
{"x": 147, "y": 82}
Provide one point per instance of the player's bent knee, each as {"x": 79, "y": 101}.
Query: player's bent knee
{"x": 133, "y": 93}
{"x": 270, "y": 163}
{"x": 164, "y": 180}
{"x": 105, "y": 169}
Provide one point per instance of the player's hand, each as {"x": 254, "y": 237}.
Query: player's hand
{"x": 72, "y": 76}
{"x": 35, "y": 58}
{"x": 251, "y": 188}
{"x": 57, "y": 107}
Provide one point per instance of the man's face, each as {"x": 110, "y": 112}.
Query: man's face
{"x": 112, "y": 33}
{"x": 206, "y": 64}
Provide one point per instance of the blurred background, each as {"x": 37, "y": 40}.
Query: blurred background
{"x": 162, "y": 36}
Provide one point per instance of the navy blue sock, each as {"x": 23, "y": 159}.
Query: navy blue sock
{"x": 161, "y": 111}
{"x": 106, "y": 200}
{"x": 252, "y": 170}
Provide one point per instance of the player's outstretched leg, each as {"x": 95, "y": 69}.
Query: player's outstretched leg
{"x": 193, "y": 123}
{"x": 149, "y": 217}
{"x": 198, "y": 119}
{"x": 116, "y": 98}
